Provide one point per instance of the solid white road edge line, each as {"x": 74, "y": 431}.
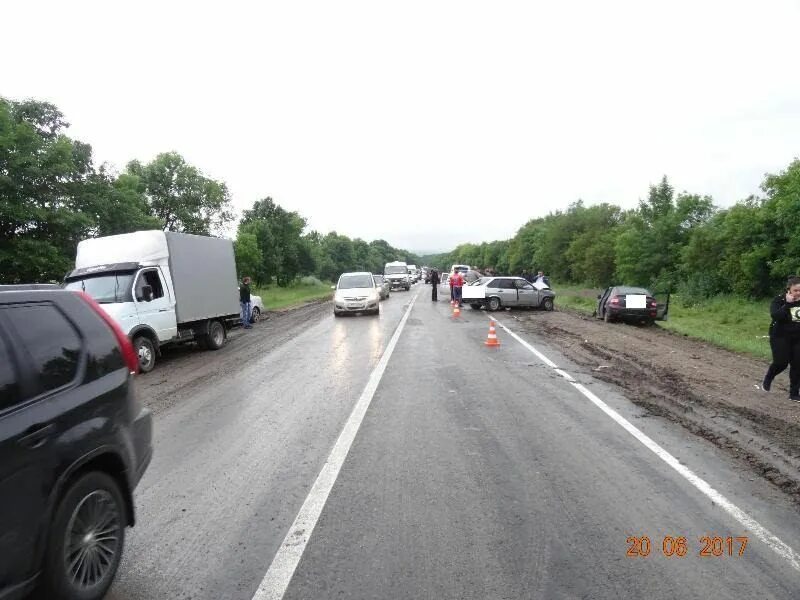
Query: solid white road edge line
{"x": 762, "y": 533}
{"x": 283, "y": 566}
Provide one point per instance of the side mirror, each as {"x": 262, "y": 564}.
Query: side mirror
{"x": 147, "y": 293}
{"x": 599, "y": 296}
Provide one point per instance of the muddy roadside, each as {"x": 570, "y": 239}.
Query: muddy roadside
{"x": 183, "y": 369}
{"x": 712, "y": 392}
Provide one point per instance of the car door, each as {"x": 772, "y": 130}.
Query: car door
{"x": 527, "y": 295}
{"x": 158, "y": 312}
{"x": 39, "y": 367}
{"x": 601, "y": 303}
{"x": 507, "y": 291}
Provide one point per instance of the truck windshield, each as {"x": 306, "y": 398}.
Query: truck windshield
{"x": 105, "y": 289}
{"x": 396, "y": 270}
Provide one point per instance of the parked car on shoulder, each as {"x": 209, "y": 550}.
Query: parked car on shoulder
{"x": 356, "y": 293}
{"x": 626, "y": 303}
{"x": 74, "y": 443}
{"x": 384, "y": 286}
{"x": 495, "y": 293}
{"x": 258, "y": 311}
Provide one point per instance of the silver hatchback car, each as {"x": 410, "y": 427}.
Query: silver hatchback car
{"x": 356, "y": 293}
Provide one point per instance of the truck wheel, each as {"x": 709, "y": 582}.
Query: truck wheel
{"x": 86, "y": 540}
{"x": 547, "y": 304}
{"x": 146, "y": 351}
{"x": 475, "y": 306}
{"x": 494, "y": 303}
{"x": 216, "y": 336}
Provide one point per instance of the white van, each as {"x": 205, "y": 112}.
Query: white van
{"x": 397, "y": 274}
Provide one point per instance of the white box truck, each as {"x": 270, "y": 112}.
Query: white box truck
{"x": 161, "y": 287}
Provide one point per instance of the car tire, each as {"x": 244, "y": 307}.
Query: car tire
{"x": 475, "y": 306}
{"x": 408, "y": 288}
{"x": 547, "y": 304}
{"x": 146, "y": 351}
{"x": 494, "y": 304}
{"x": 337, "y": 313}
{"x": 215, "y": 338}
{"x": 255, "y": 316}
{"x": 607, "y": 316}
{"x": 95, "y": 499}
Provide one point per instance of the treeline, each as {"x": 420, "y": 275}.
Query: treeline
{"x": 52, "y": 196}
{"x": 679, "y": 242}
{"x": 271, "y": 246}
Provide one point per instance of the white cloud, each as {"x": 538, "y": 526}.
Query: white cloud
{"x": 424, "y": 123}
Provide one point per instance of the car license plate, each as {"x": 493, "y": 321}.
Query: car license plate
{"x": 354, "y": 305}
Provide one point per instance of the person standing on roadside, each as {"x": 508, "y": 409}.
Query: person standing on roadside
{"x": 434, "y": 276}
{"x": 541, "y": 277}
{"x": 244, "y": 302}
{"x": 784, "y": 338}
{"x": 452, "y": 291}
{"x": 458, "y": 283}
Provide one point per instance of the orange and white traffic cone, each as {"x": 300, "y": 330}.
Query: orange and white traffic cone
{"x": 456, "y": 310}
{"x": 491, "y": 339}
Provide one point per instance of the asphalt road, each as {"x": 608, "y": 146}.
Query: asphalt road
{"x": 476, "y": 473}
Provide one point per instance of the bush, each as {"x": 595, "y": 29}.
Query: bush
{"x": 310, "y": 280}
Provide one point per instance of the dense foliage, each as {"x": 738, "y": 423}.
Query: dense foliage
{"x": 679, "y": 242}
{"x": 52, "y": 196}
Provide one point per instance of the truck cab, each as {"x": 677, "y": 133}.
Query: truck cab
{"x": 162, "y": 288}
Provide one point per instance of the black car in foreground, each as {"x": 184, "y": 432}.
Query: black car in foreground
{"x": 74, "y": 442}
{"x": 624, "y": 303}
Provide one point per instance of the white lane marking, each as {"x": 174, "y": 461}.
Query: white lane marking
{"x": 281, "y": 571}
{"x": 538, "y": 354}
{"x": 762, "y": 533}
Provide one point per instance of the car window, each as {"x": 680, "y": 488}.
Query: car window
{"x": 9, "y": 384}
{"x": 50, "y": 341}
{"x": 523, "y": 285}
{"x": 152, "y": 279}
{"x": 503, "y": 284}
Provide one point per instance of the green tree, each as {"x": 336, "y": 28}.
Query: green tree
{"x": 43, "y": 174}
{"x": 248, "y": 256}
{"x": 181, "y": 197}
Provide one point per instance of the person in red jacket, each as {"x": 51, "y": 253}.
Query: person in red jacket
{"x": 458, "y": 283}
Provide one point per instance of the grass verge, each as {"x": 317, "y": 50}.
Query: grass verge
{"x": 726, "y": 321}
{"x": 277, "y": 298}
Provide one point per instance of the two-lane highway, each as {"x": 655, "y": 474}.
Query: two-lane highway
{"x": 475, "y": 473}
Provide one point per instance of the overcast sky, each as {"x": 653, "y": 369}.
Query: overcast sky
{"x": 426, "y": 123}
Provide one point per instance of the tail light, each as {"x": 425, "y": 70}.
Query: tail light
{"x": 654, "y": 304}
{"x": 614, "y": 300}
{"x": 125, "y": 345}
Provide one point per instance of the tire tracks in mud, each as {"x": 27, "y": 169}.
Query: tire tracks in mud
{"x": 658, "y": 371}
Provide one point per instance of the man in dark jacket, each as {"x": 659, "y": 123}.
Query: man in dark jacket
{"x": 244, "y": 302}
{"x": 784, "y": 338}
{"x": 434, "y": 278}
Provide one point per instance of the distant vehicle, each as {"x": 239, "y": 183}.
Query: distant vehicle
{"x": 161, "y": 287}
{"x": 74, "y": 443}
{"x": 495, "y": 293}
{"x": 413, "y": 273}
{"x": 356, "y": 293}
{"x": 462, "y": 268}
{"x": 384, "y": 287}
{"x": 426, "y": 274}
{"x": 397, "y": 274}
{"x": 257, "y": 308}
{"x": 625, "y": 303}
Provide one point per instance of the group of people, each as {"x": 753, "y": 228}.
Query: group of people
{"x": 539, "y": 277}
{"x": 456, "y": 282}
